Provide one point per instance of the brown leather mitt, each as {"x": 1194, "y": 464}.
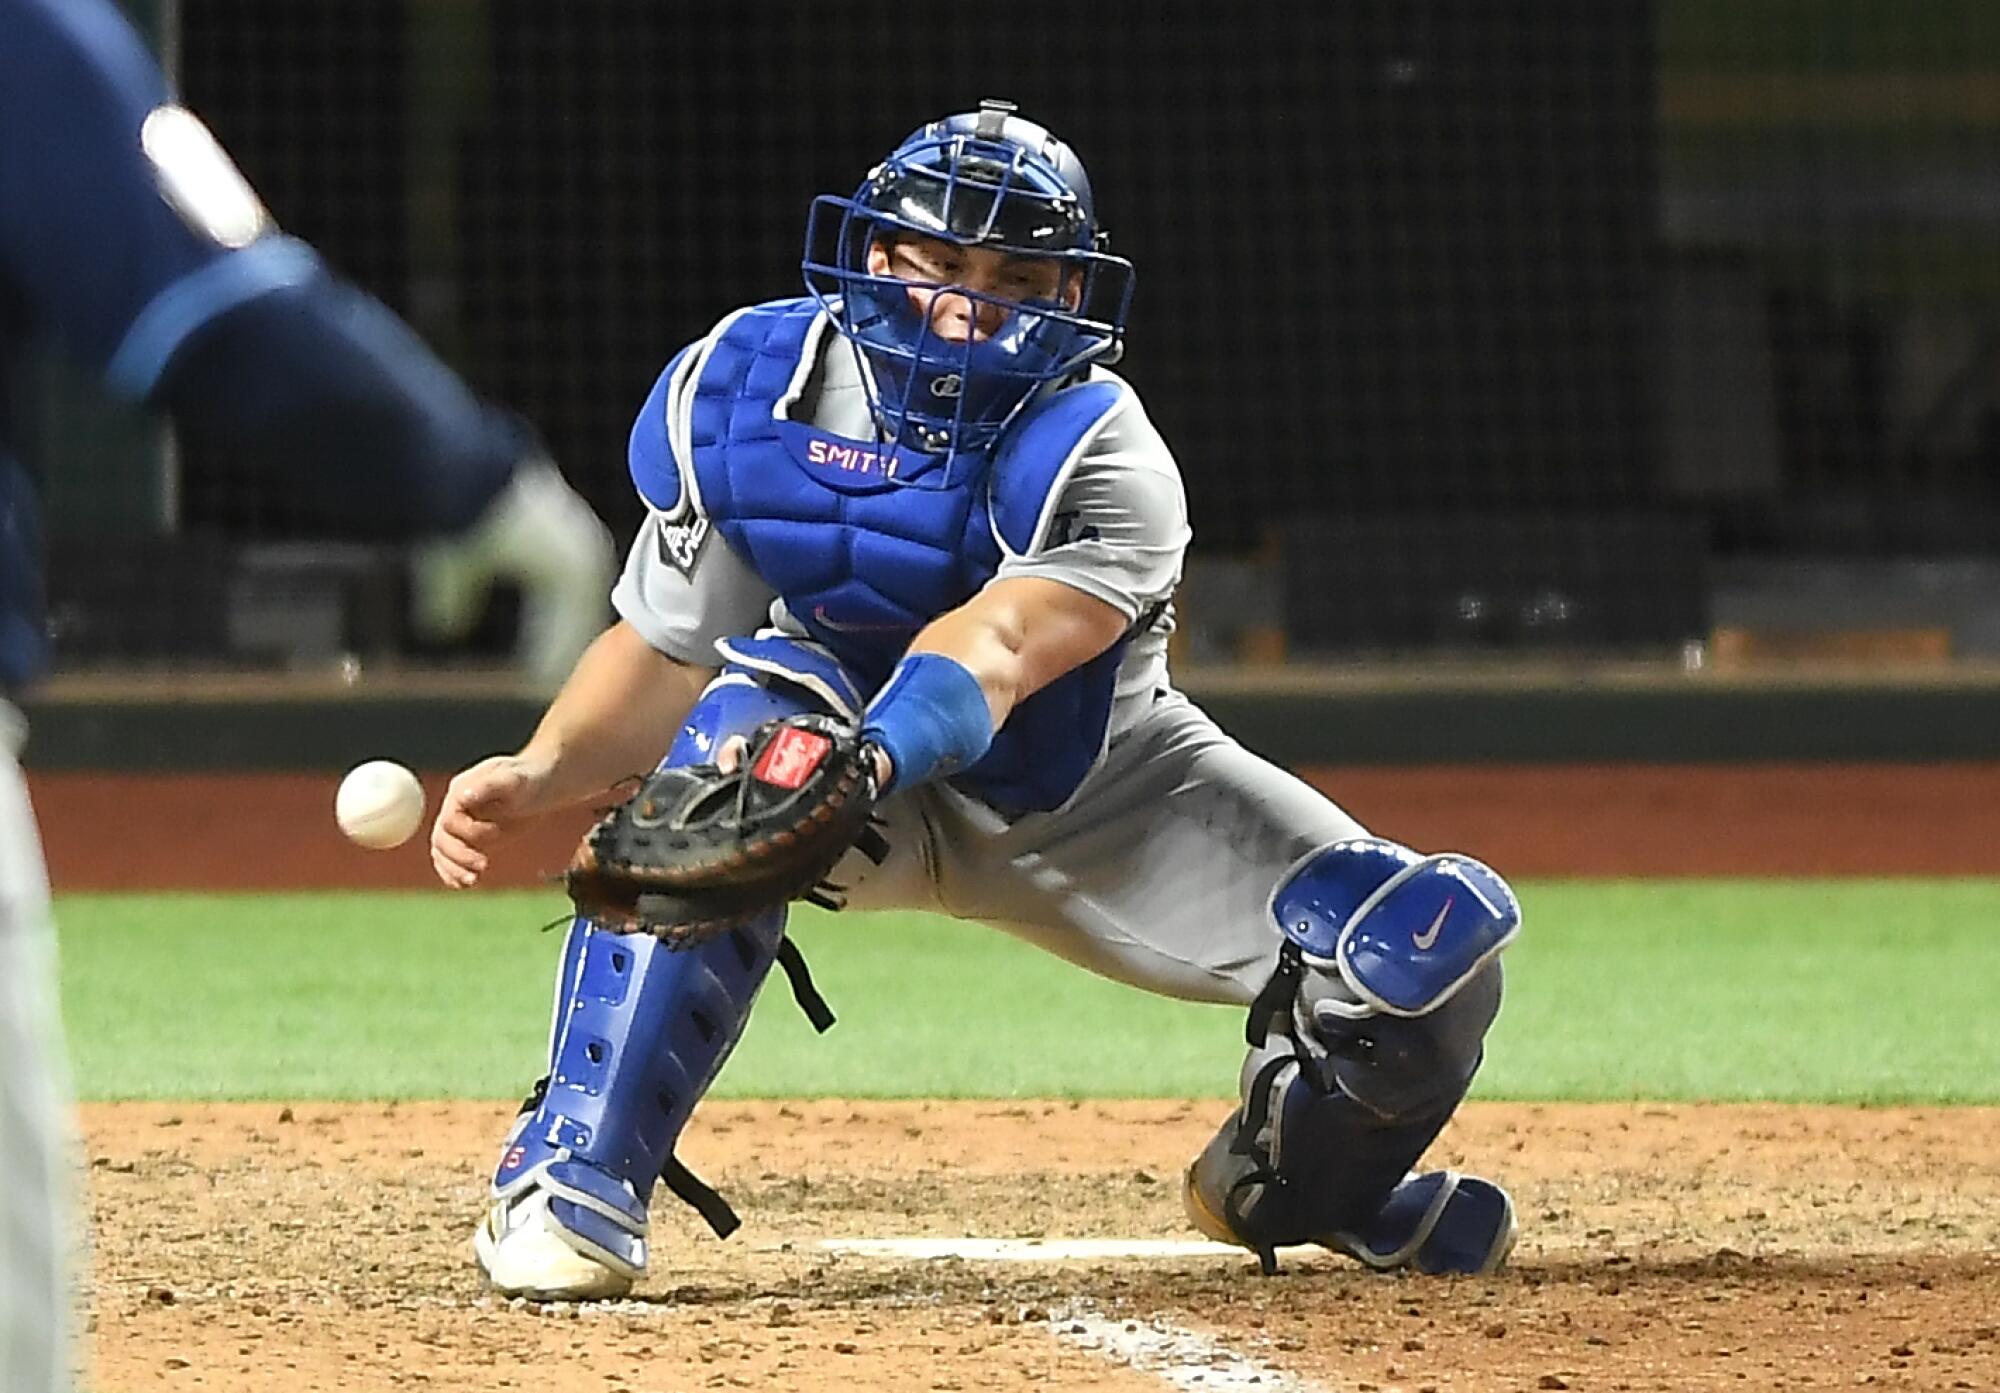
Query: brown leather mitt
{"x": 696, "y": 851}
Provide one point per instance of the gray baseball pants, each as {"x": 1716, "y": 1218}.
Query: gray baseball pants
{"x": 1158, "y": 872}
{"x": 35, "y": 1354}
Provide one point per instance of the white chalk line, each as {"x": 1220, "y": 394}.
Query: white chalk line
{"x": 1179, "y": 1357}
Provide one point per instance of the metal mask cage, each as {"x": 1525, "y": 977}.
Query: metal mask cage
{"x": 944, "y": 395}
{"x": 840, "y": 231}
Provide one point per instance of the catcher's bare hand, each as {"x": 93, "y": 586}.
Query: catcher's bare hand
{"x": 482, "y": 807}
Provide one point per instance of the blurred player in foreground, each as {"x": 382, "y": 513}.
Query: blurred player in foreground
{"x": 917, "y": 500}
{"x": 128, "y": 238}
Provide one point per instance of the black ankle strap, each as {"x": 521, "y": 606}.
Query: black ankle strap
{"x": 695, "y": 1192}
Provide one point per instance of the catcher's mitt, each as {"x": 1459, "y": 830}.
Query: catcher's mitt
{"x": 696, "y": 850}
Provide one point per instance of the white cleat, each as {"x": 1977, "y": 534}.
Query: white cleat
{"x": 524, "y": 1253}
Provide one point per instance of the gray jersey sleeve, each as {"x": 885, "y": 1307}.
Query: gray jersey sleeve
{"x": 683, "y": 588}
{"x": 1117, "y": 527}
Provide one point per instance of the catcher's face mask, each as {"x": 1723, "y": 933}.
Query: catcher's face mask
{"x": 915, "y": 271}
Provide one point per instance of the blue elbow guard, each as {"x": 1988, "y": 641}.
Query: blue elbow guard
{"x": 932, "y": 718}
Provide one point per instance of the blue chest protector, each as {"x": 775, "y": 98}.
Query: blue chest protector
{"x": 864, "y": 550}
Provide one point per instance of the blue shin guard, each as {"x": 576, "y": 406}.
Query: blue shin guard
{"x": 640, "y": 1032}
{"x": 1362, "y": 1048}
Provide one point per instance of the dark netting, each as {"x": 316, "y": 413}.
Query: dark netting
{"x": 1476, "y": 325}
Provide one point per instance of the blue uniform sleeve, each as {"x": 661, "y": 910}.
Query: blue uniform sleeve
{"x": 127, "y": 233}
{"x": 325, "y": 384}
{"x": 100, "y": 256}
{"x": 650, "y": 455}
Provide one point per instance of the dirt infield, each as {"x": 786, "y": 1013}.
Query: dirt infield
{"x": 311, "y": 1247}
{"x": 275, "y": 831}
{"x": 255, "y": 1246}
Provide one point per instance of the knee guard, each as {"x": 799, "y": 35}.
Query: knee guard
{"x": 1362, "y": 1046}
{"x": 640, "y": 1032}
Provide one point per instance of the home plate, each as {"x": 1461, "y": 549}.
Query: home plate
{"x": 1034, "y": 1249}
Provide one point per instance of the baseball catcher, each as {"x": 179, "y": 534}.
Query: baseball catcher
{"x": 905, "y": 587}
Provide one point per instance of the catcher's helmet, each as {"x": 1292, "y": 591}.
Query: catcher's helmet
{"x": 987, "y": 179}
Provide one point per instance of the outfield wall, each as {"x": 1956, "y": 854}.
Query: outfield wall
{"x": 1295, "y": 717}
{"x": 1607, "y": 778}
{"x": 274, "y": 831}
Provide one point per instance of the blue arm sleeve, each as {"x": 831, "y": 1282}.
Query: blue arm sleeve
{"x": 931, "y": 717}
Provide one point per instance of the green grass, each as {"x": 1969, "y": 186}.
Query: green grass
{"x": 1857, "y": 991}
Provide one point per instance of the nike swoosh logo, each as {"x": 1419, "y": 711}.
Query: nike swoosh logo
{"x": 821, "y": 617}
{"x": 1430, "y": 936}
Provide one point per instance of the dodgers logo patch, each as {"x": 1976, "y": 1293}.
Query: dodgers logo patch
{"x": 680, "y": 543}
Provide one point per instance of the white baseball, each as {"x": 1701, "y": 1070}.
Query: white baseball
{"x": 379, "y": 804}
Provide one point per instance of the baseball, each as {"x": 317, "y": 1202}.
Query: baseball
{"x": 379, "y": 804}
